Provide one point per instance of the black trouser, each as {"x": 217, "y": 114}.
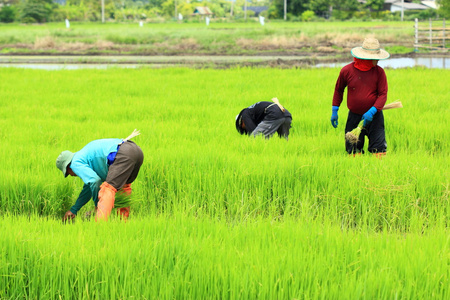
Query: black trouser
{"x": 374, "y": 132}
{"x": 126, "y": 165}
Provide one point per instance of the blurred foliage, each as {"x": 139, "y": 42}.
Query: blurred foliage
{"x": 8, "y": 14}
{"x": 444, "y": 8}
{"x": 36, "y": 11}
{"x": 39, "y": 11}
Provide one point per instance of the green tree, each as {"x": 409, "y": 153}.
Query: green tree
{"x": 346, "y": 5}
{"x": 374, "y": 5}
{"x": 344, "y": 9}
{"x": 444, "y": 8}
{"x": 7, "y": 14}
{"x": 294, "y": 7}
{"x": 185, "y": 9}
{"x": 320, "y": 7}
{"x": 37, "y": 11}
{"x": 154, "y": 3}
{"x": 168, "y": 8}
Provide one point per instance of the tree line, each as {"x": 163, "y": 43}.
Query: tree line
{"x": 40, "y": 11}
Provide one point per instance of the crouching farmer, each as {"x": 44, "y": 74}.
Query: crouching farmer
{"x": 264, "y": 118}
{"x": 106, "y": 166}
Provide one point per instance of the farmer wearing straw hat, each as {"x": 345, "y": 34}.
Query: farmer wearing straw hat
{"x": 264, "y": 118}
{"x": 105, "y": 166}
{"x": 367, "y": 89}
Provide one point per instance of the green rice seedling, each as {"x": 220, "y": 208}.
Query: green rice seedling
{"x": 218, "y": 215}
{"x": 185, "y": 257}
{"x": 205, "y": 168}
{"x": 122, "y": 200}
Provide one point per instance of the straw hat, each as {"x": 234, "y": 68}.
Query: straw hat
{"x": 64, "y": 160}
{"x": 370, "y": 50}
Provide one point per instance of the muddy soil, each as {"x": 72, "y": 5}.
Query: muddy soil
{"x": 273, "y": 60}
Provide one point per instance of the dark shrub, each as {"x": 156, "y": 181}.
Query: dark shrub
{"x": 7, "y": 14}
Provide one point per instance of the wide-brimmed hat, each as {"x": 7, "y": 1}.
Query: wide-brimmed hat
{"x": 239, "y": 122}
{"x": 64, "y": 160}
{"x": 370, "y": 50}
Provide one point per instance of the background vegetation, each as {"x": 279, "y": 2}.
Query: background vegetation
{"x": 31, "y": 11}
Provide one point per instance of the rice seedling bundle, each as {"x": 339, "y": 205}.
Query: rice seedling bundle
{"x": 353, "y": 136}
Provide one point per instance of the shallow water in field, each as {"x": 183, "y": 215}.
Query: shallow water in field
{"x": 404, "y": 62}
{"x": 51, "y": 67}
{"x": 106, "y": 62}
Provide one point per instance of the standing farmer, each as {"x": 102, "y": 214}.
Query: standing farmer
{"x": 105, "y": 166}
{"x": 366, "y": 95}
{"x": 264, "y": 118}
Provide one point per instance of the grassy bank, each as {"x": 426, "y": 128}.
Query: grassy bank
{"x": 288, "y": 38}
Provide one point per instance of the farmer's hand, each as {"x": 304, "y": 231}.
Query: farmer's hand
{"x": 334, "y": 116}
{"x": 368, "y": 116}
{"x": 68, "y": 216}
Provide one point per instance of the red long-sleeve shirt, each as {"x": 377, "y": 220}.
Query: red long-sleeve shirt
{"x": 364, "y": 88}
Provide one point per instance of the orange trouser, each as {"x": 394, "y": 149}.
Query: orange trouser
{"x": 379, "y": 155}
{"x": 124, "y": 212}
{"x": 106, "y": 198}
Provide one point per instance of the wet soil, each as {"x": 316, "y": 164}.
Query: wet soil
{"x": 273, "y": 60}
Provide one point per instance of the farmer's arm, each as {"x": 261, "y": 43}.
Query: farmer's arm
{"x": 339, "y": 88}
{"x": 83, "y": 198}
{"x": 382, "y": 88}
{"x": 90, "y": 178}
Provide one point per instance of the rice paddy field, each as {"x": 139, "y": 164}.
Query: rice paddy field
{"x": 217, "y": 215}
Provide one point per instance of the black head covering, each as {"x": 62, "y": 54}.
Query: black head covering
{"x": 239, "y": 122}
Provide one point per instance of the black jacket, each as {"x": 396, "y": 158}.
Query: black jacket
{"x": 256, "y": 113}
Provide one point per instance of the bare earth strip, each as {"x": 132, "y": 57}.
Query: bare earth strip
{"x": 214, "y": 61}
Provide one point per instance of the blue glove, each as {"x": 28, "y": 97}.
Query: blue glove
{"x": 368, "y": 116}
{"x": 334, "y": 116}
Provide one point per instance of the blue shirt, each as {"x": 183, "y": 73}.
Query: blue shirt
{"x": 91, "y": 165}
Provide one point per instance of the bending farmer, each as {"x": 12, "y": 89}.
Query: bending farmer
{"x": 264, "y": 118}
{"x": 366, "y": 95}
{"x": 105, "y": 166}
